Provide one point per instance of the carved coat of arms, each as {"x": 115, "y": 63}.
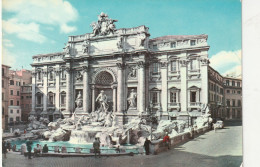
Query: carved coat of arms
{"x": 104, "y": 25}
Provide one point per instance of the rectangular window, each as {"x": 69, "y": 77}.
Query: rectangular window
{"x": 154, "y": 97}
{"x": 238, "y": 84}
{"x": 228, "y": 102}
{"x": 39, "y": 99}
{"x": 193, "y": 64}
{"x": 174, "y": 66}
{"x": 173, "y": 97}
{"x": 3, "y": 96}
{"x": 192, "y": 96}
{"x": 3, "y": 111}
{"x": 233, "y": 102}
{"x": 239, "y": 103}
{"x": 228, "y": 91}
{"x": 11, "y": 102}
{"x": 63, "y": 99}
{"x": 17, "y": 119}
{"x": 192, "y": 42}
{"x": 3, "y": 83}
{"x": 173, "y": 45}
{"x": 11, "y": 82}
{"x": 11, "y": 119}
{"x": 17, "y": 111}
{"x": 3, "y": 72}
{"x": 21, "y": 97}
{"x": 11, "y": 92}
{"x": 11, "y": 111}
{"x": 233, "y": 83}
{"x": 233, "y": 92}
{"x": 238, "y": 92}
{"x": 227, "y": 82}
{"x": 155, "y": 67}
{"x": 18, "y": 103}
{"x": 18, "y": 93}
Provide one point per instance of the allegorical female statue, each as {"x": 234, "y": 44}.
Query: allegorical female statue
{"x": 79, "y": 100}
{"x": 132, "y": 99}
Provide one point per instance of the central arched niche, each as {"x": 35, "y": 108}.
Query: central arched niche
{"x": 104, "y": 78}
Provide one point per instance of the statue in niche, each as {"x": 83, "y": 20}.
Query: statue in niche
{"x": 102, "y": 99}
{"x": 132, "y": 99}
{"x": 78, "y": 76}
{"x": 79, "y": 100}
{"x": 132, "y": 73}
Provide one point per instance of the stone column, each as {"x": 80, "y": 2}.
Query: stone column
{"x": 93, "y": 98}
{"x": 184, "y": 94}
{"x": 45, "y": 90}
{"x": 86, "y": 100}
{"x": 114, "y": 98}
{"x": 204, "y": 80}
{"x": 120, "y": 93}
{"x": 68, "y": 90}
{"x": 141, "y": 86}
{"x": 57, "y": 92}
{"x": 33, "y": 90}
{"x": 164, "y": 95}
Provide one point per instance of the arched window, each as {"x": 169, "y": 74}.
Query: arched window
{"x": 104, "y": 78}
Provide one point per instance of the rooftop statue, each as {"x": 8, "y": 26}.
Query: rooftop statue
{"x": 104, "y": 26}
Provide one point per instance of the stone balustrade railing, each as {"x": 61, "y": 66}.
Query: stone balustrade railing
{"x": 158, "y": 146}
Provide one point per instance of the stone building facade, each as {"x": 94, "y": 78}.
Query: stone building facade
{"x": 233, "y": 95}
{"x": 216, "y": 94}
{"x": 19, "y": 101}
{"x": 125, "y": 72}
{"x": 5, "y": 95}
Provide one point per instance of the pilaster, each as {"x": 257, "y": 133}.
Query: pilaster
{"x": 33, "y": 89}
{"x": 86, "y": 90}
{"x": 141, "y": 86}
{"x": 120, "y": 93}
{"x": 45, "y": 89}
{"x": 164, "y": 95}
{"x": 57, "y": 88}
{"x": 68, "y": 89}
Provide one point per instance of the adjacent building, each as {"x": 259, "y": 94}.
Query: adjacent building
{"x": 19, "y": 95}
{"x": 168, "y": 75}
{"x": 5, "y": 95}
{"x": 233, "y": 95}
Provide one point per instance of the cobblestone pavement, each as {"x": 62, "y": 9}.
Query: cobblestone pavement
{"x": 222, "y": 148}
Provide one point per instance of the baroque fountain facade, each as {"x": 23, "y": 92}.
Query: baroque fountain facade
{"x": 119, "y": 85}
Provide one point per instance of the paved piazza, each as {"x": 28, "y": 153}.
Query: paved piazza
{"x": 222, "y": 148}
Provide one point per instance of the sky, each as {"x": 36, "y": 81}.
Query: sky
{"x": 32, "y": 27}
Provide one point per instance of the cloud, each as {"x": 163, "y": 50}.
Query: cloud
{"x": 49, "y": 12}
{"x": 29, "y": 31}
{"x": 8, "y": 43}
{"x": 227, "y": 62}
{"x": 8, "y": 58}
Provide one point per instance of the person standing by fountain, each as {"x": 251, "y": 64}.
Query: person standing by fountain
{"x": 45, "y": 149}
{"x": 29, "y": 148}
{"x": 147, "y": 146}
{"x": 96, "y": 146}
{"x": 167, "y": 141}
{"x": 4, "y": 148}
